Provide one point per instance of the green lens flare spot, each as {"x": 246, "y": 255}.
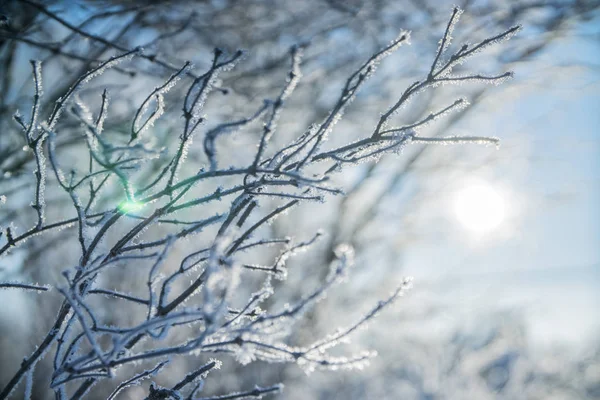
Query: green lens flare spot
{"x": 130, "y": 206}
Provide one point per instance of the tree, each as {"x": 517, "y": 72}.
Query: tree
{"x": 135, "y": 190}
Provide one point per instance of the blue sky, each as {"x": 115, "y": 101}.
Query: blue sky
{"x": 545, "y": 263}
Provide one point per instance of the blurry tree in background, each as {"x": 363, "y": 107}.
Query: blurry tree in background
{"x": 156, "y": 218}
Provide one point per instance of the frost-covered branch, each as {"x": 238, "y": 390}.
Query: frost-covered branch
{"x": 147, "y": 202}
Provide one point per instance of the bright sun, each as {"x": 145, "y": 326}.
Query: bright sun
{"x": 479, "y": 208}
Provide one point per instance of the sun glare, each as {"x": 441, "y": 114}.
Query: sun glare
{"x": 479, "y": 208}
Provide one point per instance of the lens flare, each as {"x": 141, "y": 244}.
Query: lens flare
{"x": 130, "y": 206}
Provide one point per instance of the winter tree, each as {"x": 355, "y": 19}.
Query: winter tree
{"x": 160, "y": 164}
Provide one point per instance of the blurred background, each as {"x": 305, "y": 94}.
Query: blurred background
{"x": 503, "y": 243}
